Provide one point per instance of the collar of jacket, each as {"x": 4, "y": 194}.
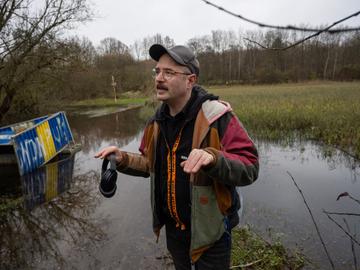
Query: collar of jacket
{"x": 198, "y": 96}
{"x": 211, "y": 110}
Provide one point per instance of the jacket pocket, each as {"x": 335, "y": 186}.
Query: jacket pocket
{"x": 207, "y": 222}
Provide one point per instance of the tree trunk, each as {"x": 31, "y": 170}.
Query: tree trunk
{"x": 239, "y": 66}
{"x": 230, "y": 67}
{"x": 326, "y": 63}
{"x": 5, "y": 105}
{"x": 335, "y": 62}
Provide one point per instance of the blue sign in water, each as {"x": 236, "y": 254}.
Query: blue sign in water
{"x": 6, "y": 133}
{"x": 40, "y": 143}
{"x": 60, "y": 131}
{"x": 28, "y": 151}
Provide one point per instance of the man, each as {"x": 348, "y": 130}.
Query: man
{"x": 196, "y": 152}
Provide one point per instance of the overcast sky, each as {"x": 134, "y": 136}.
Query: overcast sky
{"x": 130, "y": 20}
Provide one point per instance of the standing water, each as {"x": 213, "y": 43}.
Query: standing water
{"x": 62, "y": 222}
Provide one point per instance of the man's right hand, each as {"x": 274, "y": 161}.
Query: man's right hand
{"x": 110, "y": 150}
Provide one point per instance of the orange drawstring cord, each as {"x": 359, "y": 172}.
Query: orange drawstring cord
{"x": 171, "y": 178}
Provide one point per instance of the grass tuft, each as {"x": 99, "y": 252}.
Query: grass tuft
{"x": 249, "y": 251}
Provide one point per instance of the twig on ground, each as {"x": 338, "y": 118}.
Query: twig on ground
{"x": 245, "y": 265}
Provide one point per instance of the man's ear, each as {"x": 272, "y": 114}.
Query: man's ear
{"x": 192, "y": 80}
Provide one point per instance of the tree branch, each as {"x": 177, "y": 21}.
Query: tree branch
{"x": 346, "y": 232}
{"x": 341, "y": 214}
{"x": 279, "y": 27}
{"x": 352, "y": 245}
{"x": 308, "y": 37}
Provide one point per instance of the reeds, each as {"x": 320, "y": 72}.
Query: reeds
{"x": 328, "y": 112}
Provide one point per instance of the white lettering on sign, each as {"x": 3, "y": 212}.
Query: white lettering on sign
{"x": 60, "y": 132}
{"x": 29, "y": 153}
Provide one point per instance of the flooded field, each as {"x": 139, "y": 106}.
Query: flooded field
{"x": 276, "y": 209}
{"x": 56, "y": 217}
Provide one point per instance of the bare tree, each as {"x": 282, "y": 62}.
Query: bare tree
{"x": 146, "y": 43}
{"x": 137, "y": 49}
{"x": 27, "y": 33}
{"x": 216, "y": 40}
{"x": 200, "y": 44}
{"x": 168, "y": 42}
{"x": 112, "y": 46}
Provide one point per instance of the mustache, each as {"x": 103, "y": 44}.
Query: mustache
{"x": 161, "y": 87}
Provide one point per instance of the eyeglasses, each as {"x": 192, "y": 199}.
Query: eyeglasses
{"x": 167, "y": 74}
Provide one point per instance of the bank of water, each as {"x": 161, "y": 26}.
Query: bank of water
{"x": 80, "y": 229}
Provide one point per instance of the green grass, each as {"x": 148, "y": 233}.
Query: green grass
{"x": 252, "y": 252}
{"x": 109, "y": 102}
{"x": 328, "y": 112}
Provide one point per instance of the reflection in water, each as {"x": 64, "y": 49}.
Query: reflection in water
{"x": 333, "y": 157}
{"x": 274, "y": 205}
{"x": 10, "y": 184}
{"x": 117, "y": 129}
{"x": 47, "y": 182}
{"x": 28, "y": 237}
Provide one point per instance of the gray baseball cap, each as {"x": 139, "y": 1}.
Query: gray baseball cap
{"x": 180, "y": 54}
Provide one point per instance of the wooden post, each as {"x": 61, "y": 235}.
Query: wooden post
{"x": 113, "y": 84}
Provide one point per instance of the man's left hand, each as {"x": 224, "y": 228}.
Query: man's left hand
{"x": 197, "y": 159}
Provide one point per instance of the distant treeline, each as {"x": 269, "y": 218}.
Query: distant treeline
{"x": 80, "y": 70}
{"x": 225, "y": 58}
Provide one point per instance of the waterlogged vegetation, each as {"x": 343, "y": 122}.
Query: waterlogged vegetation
{"x": 250, "y": 251}
{"x": 109, "y": 102}
{"x": 328, "y": 112}
{"x": 104, "y": 106}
